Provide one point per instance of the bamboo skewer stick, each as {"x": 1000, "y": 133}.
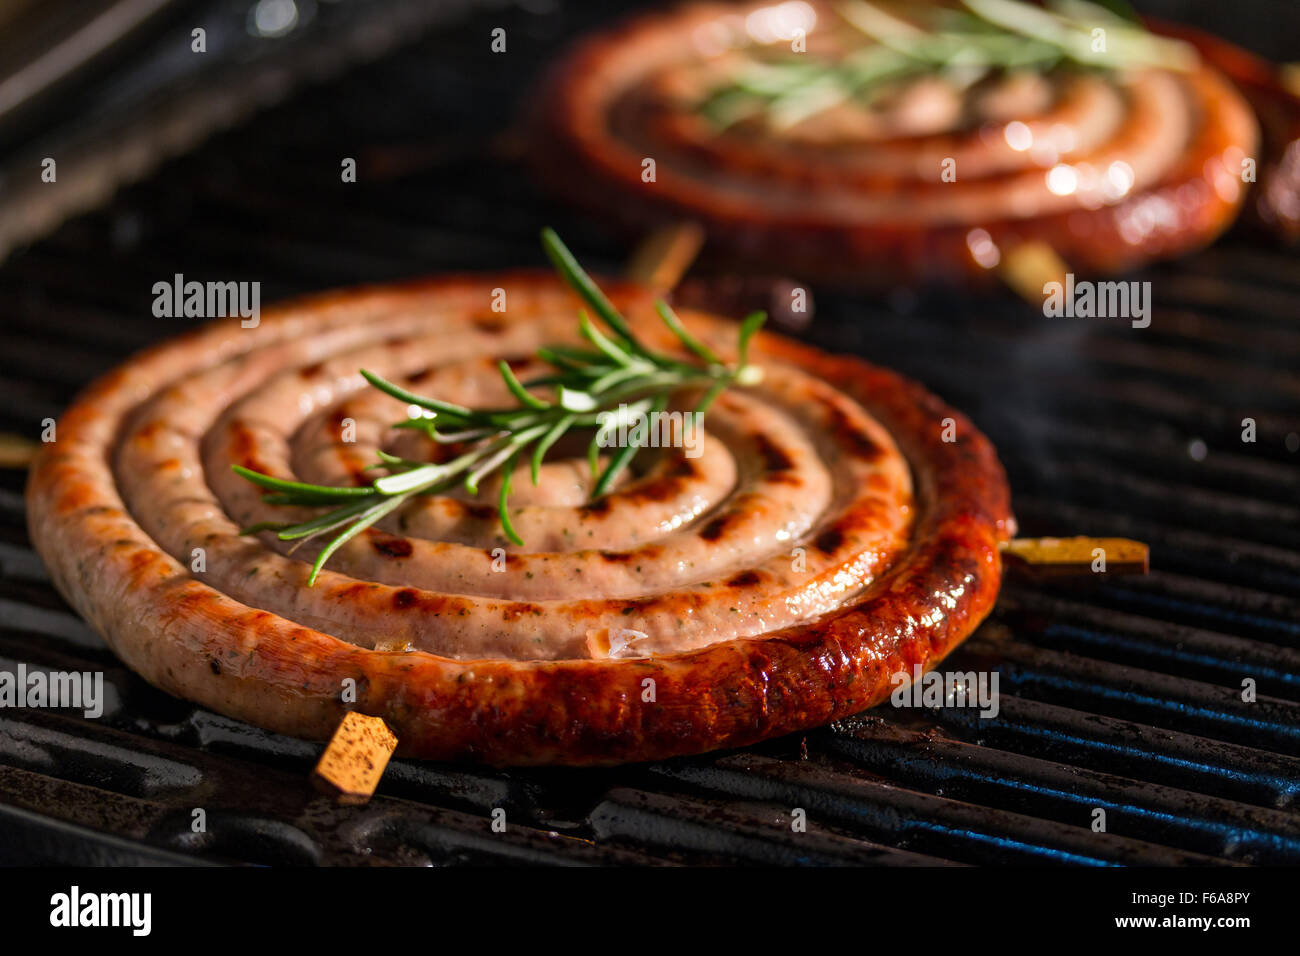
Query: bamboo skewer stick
{"x": 355, "y": 759}
{"x": 1289, "y": 77}
{"x": 662, "y": 258}
{"x": 1080, "y": 555}
{"x": 1029, "y": 266}
{"x": 16, "y": 451}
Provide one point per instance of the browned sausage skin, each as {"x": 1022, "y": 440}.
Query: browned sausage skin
{"x": 1276, "y": 200}
{"x": 190, "y": 638}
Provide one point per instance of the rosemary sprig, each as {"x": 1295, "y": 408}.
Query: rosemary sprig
{"x": 963, "y": 43}
{"x": 590, "y": 389}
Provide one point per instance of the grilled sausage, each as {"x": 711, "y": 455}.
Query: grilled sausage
{"x": 1111, "y": 170}
{"x": 826, "y": 538}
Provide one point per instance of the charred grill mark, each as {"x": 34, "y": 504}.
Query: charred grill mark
{"x": 774, "y": 458}
{"x": 597, "y": 506}
{"x": 665, "y": 485}
{"x": 489, "y": 324}
{"x": 829, "y": 541}
{"x": 390, "y": 546}
{"x": 417, "y": 377}
{"x": 681, "y": 467}
{"x": 405, "y": 599}
{"x": 716, "y": 528}
{"x": 847, "y": 433}
{"x": 745, "y": 579}
{"x": 312, "y": 370}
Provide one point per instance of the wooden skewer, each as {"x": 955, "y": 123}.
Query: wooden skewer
{"x": 16, "y": 451}
{"x": 1029, "y": 266}
{"x": 355, "y": 758}
{"x": 1078, "y": 555}
{"x": 663, "y": 257}
{"x": 1289, "y": 76}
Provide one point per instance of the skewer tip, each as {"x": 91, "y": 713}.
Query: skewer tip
{"x": 355, "y": 759}
{"x": 1078, "y": 555}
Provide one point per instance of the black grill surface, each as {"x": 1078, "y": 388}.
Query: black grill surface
{"x": 1120, "y": 694}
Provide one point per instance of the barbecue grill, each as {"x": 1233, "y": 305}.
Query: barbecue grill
{"x": 1120, "y": 694}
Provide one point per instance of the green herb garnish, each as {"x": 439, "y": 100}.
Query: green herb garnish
{"x": 590, "y": 386}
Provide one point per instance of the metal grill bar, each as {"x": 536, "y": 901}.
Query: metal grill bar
{"x": 1208, "y": 824}
{"x": 921, "y": 821}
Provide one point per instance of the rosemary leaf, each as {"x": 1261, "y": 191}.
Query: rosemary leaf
{"x": 582, "y": 283}
{"x": 691, "y": 342}
{"x": 326, "y": 522}
{"x": 544, "y": 445}
{"x": 717, "y": 388}
{"x": 593, "y": 335}
{"x": 752, "y": 323}
{"x": 624, "y": 456}
{"x": 364, "y": 521}
{"x": 503, "y": 499}
{"x": 401, "y": 394}
{"x": 517, "y": 390}
{"x": 298, "y": 488}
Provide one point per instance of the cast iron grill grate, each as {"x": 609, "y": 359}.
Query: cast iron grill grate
{"x": 1120, "y": 694}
